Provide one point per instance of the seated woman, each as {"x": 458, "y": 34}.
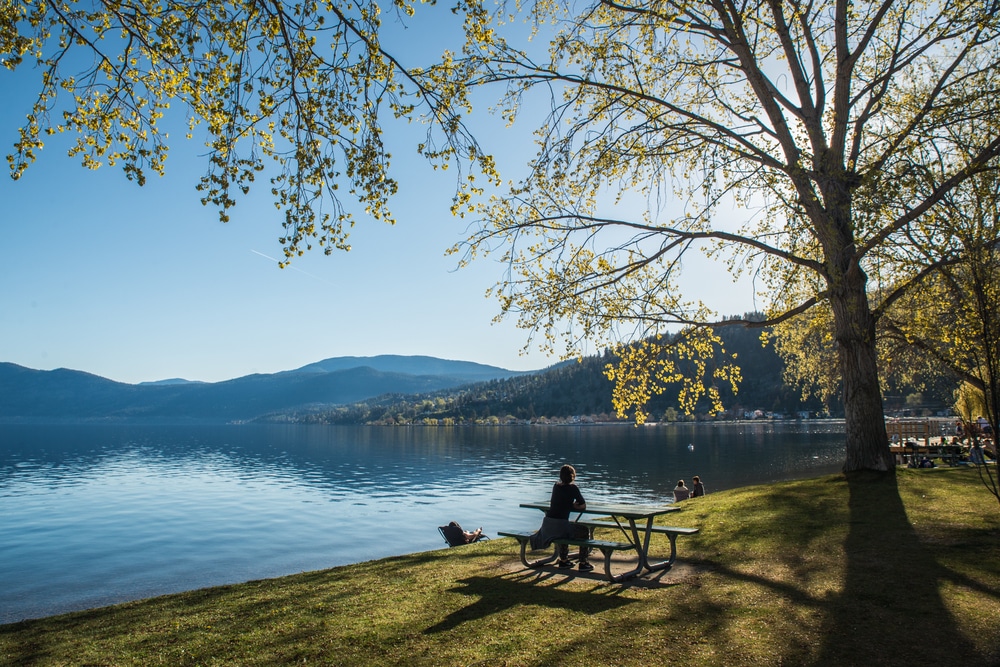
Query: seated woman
{"x": 565, "y": 498}
{"x": 681, "y": 492}
{"x": 697, "y": 489}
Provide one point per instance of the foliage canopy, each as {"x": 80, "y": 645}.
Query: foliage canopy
{"x": 297, "y": 91}
{"x": 827, "y": 123}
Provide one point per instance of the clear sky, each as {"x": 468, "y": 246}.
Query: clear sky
{"x": 144, "y": 283}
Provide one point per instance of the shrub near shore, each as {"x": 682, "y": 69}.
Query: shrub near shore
{"x": 827, "y": 571}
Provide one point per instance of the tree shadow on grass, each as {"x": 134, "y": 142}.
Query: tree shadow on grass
{"x": 890, "y": 610}
{"x": 498, "y": 594}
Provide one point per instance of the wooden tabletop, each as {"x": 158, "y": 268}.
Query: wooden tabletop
{"x": 624, "y": 510}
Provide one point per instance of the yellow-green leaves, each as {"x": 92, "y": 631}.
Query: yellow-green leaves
{"x": 294, "y": 90}
{"x": 692, "y": 362}
{"x": 805, "y": 145}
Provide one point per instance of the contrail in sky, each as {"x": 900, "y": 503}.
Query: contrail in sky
{"x": 293, "y": 268}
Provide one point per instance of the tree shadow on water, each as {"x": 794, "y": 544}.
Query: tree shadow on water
{"x": 498, "y": 594}
{"x": 890, "y": 610}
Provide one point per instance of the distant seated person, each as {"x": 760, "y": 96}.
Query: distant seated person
{"x": 455, "y": 535}
{"x": 926, "y": 463}
{"x": 681, "y": 492}
{"x": 697, "y": 488}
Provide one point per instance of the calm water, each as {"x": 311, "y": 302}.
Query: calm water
{"x": 94, "y": 515}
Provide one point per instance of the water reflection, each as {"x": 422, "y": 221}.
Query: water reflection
{"x": 91, "y": 515}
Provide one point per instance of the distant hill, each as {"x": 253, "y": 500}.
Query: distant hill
{"x": 467, "y": 371}
{"x": 169, "y": 381}
{"x": 62, "y": 394}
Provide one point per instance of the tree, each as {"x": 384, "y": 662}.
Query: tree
{"x": 818, "y": 118}
{"x": 954, "y": 319}
{"x": 814, "y": 117}
{"x": 296, "y": 91}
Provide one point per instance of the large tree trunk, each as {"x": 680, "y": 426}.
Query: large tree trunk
{"x": 867, "y": 446}
{"x": 867, "y": 443}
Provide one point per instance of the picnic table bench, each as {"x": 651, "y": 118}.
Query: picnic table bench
{"x": 607, "y": 548}
{"x": 672, "y": 532}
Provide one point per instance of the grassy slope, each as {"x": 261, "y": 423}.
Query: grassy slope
{"x": 816, "y": 572}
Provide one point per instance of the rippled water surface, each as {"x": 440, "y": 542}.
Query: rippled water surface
{"x": 94, "y": 515}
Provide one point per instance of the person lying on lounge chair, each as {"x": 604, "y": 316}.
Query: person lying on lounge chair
{"x": 455, "y": 535}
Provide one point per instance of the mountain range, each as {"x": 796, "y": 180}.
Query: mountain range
{"x": 68, "y": 395}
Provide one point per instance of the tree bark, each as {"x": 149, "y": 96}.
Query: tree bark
{"x": 867, "y": 446}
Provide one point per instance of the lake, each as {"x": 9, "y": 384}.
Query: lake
{"x": 92, "y": 515}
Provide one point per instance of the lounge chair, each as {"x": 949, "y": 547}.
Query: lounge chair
{"x": 455, "y": 535}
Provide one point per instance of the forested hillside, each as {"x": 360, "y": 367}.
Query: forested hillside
{"x": 576, "y": 390}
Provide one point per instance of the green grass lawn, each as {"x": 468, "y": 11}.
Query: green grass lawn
{"x": 826, "y": 571}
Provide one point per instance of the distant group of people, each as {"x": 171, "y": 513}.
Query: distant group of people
{"x": 979, "y": 426}
{"x": 682, "y": 492}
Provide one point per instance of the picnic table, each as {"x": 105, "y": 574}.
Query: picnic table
{"x": 634, "y": 523}
{"x": 910, "y": 452}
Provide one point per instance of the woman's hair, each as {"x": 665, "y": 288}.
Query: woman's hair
{"x": 680, "y": 482}
{"x": 567, "y": 474}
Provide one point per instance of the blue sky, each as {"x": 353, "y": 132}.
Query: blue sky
{"x": 144, "y": 283}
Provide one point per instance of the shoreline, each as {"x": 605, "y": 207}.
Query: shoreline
{"x": 761, "y": 600}
{"x": 413, "y": 554}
